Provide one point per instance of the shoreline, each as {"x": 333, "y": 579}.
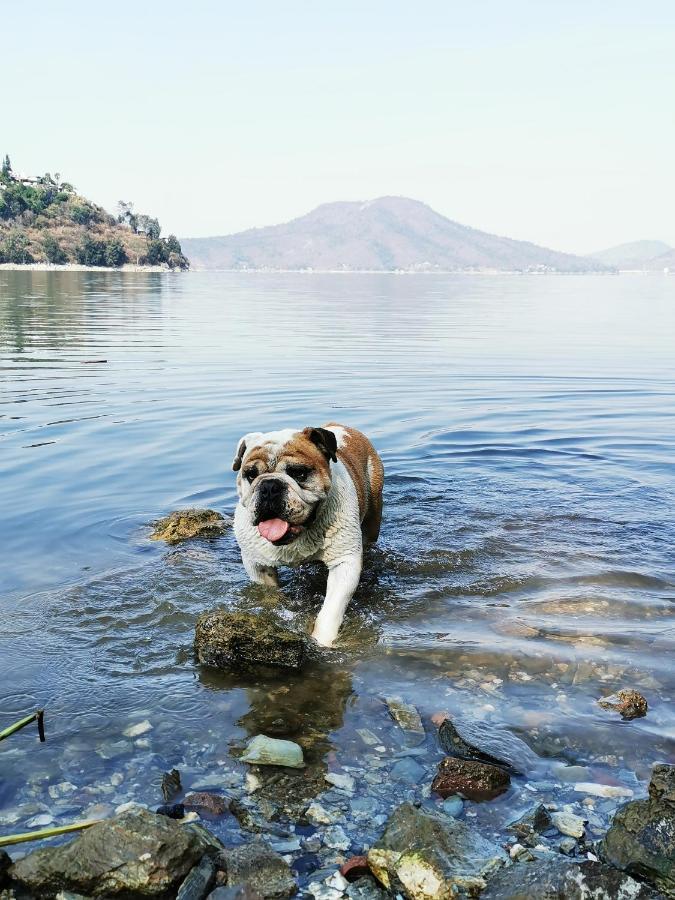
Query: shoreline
{"x": 76, "y": 267}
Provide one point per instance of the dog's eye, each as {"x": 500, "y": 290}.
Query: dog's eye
{"x": 250, "y": 474}
{"x": 298, "y": 473}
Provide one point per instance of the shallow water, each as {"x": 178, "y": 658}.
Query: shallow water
{"x": 526, "y": 565}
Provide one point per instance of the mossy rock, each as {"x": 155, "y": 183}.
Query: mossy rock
{"x": 240, "y": 641}
{"x": 184, "y": 524}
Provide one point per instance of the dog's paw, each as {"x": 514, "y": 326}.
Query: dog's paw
{"x": 323, "y": 638}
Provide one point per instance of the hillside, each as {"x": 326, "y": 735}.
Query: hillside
{"x": 636, "y": 255}
{"x": 388, "y": 234}
{"x": 44, "y": 220}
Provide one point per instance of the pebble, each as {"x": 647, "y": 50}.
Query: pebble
{"x": 40, "y": 821}
{"x": 138, "y": 729}
{"x": 602, "y": 790}
{"x": 57, "y": 791}
{"x": 336, "y": 839}
{"x": 568, "y": 823}
{"x": 453, "y": 806}
{"x": 368, "y": 737}
{"x": 408, "y": 770}
{"x": 319, "y": 815}
{"x": 344, "y": 782}
{"x": 116, "y": 779}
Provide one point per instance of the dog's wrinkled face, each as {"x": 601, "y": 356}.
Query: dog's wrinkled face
{"x": 283, "y": 478}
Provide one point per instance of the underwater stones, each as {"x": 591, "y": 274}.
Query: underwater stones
{"x": 266, "y": 751}
{"x": 320, "y": 815}
{"x": 563, "y": 879}
{"x": 136, "y": 853}
{"x": 343, "y": 782}
{"x": 641, "y": 839}
{"x": 137, "y": 729}
{"x": 240, "y": 641}
{"x": 530, "y": 825}
{"x": 199, "y": 881}
{"x": 474, "y": 740}
{"x": 207, "y": 802}
{"x": 428, "y": 856}
{"x": 260, "y": 868}
{"x": 171, "y": 785}
{"x": 184, "y": 524}
{"x": 336, "y": 839}
{"x": 407, "y": 718}
{"x": 629, "y": 703}
{"x": 453, "y": 806}
{"x": 470, "y": 779}
{"x": 569, "y": 824}
{"x": 611, "y": 791}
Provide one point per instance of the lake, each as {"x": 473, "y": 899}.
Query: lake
{"x": 526, "y": 565}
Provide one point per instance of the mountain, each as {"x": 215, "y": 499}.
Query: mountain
{"x": 635, "y": 255}
{"x": 388, "y": 234}
{"x": 44, "y": 220}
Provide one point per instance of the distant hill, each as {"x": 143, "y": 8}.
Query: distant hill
{"x": 388, "y": 234}
{"x": 44, "y": 220}
{"x": 636, "y": 255}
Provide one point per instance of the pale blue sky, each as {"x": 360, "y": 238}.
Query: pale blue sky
{"x": 548, "y": 121}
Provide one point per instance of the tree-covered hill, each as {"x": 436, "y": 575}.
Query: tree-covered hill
{"x": 44, "y": 220}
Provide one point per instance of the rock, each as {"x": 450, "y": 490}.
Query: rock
{"x": 562, "y": 879}
{"x": 453, "y": 805}
{"x": 641, "y": 839}
{"x": 344, "y": 782}
{"x": 319, "y": 815}
{"x": 199, "y": 881}
{"x": 470, "y": 779}
{"x": 257, "y": 866}
{"x": 429, "y": 856}
{"x": 366, "y": 889}
{"x": 335, "y": 838}
{"x": 356, "y": 867}
{"x": 172, "y": 810}
{"x": 241, "y": 641}
{"x": 189, "y": 523}
{"x": 171, "y": 786}
{"x": 208, "y": 843}
{"x": 530, "y": 825}
{"x": 568, "y": 823}
{"x": 41, "y": 821}
{"x": 406, "y": 715}
{"x": 137, "y": 729}
{"x": 207, "y": 802}
{"x": 602, "y": 790}
{"x": 265, "y": 751}
{"x": 5, "y": 863}
{"x": 467, "y": 739}
{"x": 136, "y": 853}
{"x": 631, "y": 704}
{"x": 407, "y": 770}
{"x": 238, "y": 892}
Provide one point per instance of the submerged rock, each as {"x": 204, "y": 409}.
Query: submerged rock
{"x": 569, "y": 824}
{"x": 238, "y": 640}
{"x": 257, "y": 866}
{"x": 562, "y": 879}
{"x": 189, "y": 523}
{"x": 136, "y": 853}
{"x": 199, "y": 881}
{"x": 267, "y": 751}
{"x": 467, "y": 739}
{"x": 641, "y": 839}
{"x": 171, "y": 785}
{"x": 530, "y": 825}
{"x": 631, "y": 704}
{"x": 407, "y": 717}
{"x": 207, "y": 802}
{"x": 429, "y": 856}
{"x": 470, "y": 779}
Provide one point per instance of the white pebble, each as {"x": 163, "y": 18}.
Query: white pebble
{"x": 602, "y": 790}
{"x": 568, "y": 823}
{"x": 344, "y": 782}
{"x": 138, "y": 729}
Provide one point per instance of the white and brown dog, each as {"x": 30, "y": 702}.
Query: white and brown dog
{"x": 295, "y": 506}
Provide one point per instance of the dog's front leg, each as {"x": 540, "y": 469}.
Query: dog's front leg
{"x": 343, "y": 579}
{"x": 260, "y": 574}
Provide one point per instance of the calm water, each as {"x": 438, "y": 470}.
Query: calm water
{"x": 527, "y": 560}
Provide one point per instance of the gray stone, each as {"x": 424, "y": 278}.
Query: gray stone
{"x": 470, "y": 778}
{"x": 365, "y": 889}
{"x": 468, "y": 739}
{"x": 562, "y": 879}
{"x": 530, "y": 825}
{"x": 453, "y": 806}
{"x": 641, "y": 839}
{"x": 136, "y": 852}
{"x": 259, "y": 867}
{"x": 241, "y": 641}
{"x": 408, "y": 770}
{"x": 429, "y": 856}
{"x": 569, "y": 824}
{"x": 199, "y": 881}
{"x": 189, "y": 523}
{"x": 238, "y": 892}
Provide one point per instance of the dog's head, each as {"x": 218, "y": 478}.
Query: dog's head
{"x": 284, "y": 476}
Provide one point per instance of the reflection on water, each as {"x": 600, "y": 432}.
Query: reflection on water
{"x": 526, "y": 565}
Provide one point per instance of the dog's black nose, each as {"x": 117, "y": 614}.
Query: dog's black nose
{"x": 270, "y": 488}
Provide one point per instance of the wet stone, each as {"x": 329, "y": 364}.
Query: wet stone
{"x": 562, "y": 879}
{"x": 429, "y": 856}
{"x": 259, "y": 867}
{"x": 184, "y": 524}
{"x": 171, "y": 785}
{"x": 470, "y": 779}
{"x": 265, "y": 751}
{"x": 662, "y": 784}
{"x": 199, "y": 881}
{"x": 237, "y": 892}
{"x": 569, "y": 824}
{"x": 241, "y": 641}
{"x": 467, "y": 739}
{"x": 207, "y": 802}
{"x": 629, "y": 703}
{"x": 366, "y": 889}
{"x": 531, "y": 825}
{"x": 137, "y": 852}
{"x": 407, "y": 718}
{"x": 171, "y": 810}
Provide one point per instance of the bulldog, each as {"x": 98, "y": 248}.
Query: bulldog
{"x": 313, "y": 494}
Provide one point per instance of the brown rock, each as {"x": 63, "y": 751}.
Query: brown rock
{"x": 470, "y": 778}
{"x": 205, "y": 801}
{"x": 189, "y": 523}
{"x": 355, "y": 868}
{"x": 630, "y": 704}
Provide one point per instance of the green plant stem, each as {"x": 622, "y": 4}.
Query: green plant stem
{"x": 46, "y": 832}
{"x": 17, "y": 726}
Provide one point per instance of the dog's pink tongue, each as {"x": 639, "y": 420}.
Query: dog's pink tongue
{"x": 273, "y": 529}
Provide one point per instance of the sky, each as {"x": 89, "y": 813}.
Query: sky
{"x": 551, "y": 121}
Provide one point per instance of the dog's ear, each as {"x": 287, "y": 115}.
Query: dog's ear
{"x": 325, "y": 440}
{"x": 244, "y": 442}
